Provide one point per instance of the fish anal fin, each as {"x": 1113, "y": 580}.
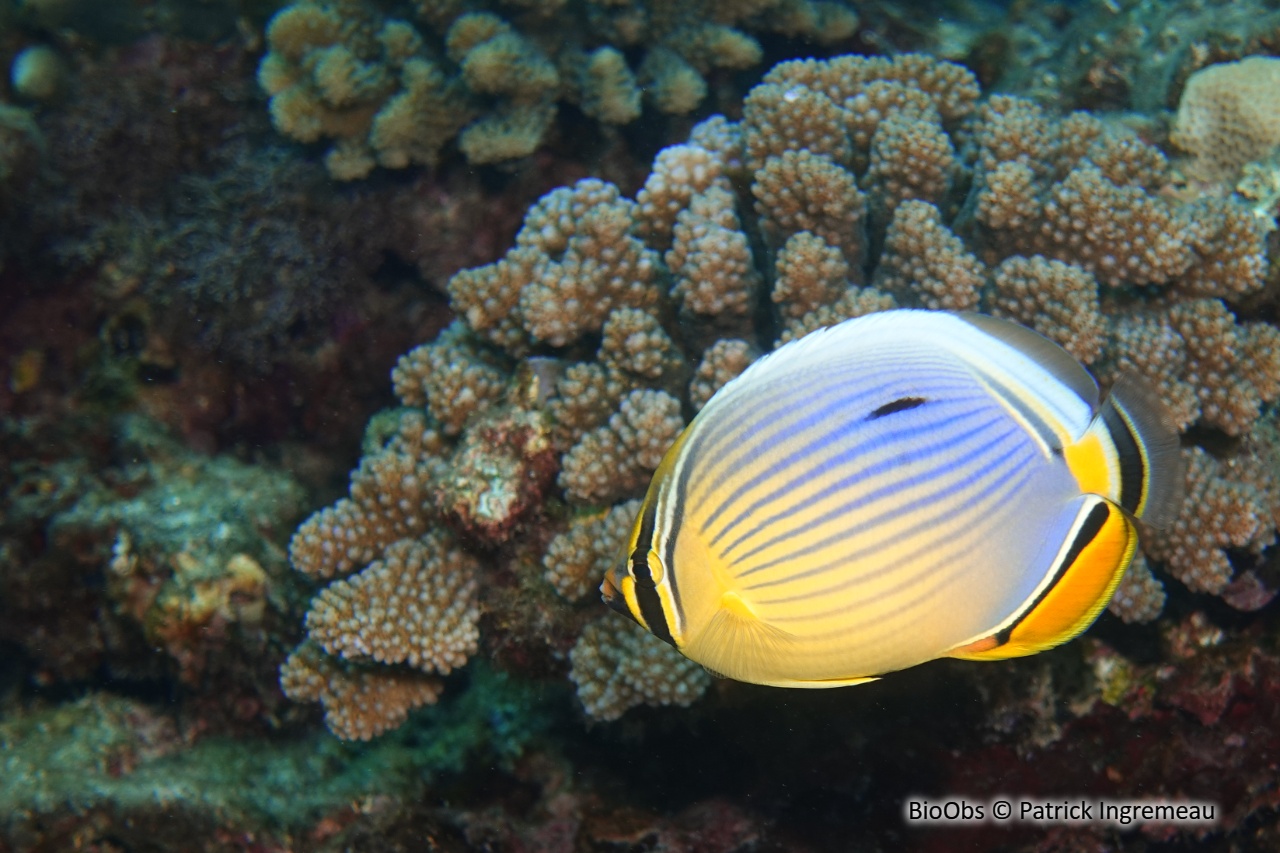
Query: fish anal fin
{"x": 1083, "y": 588}
{"x": 988, "y": 648}
{"x": 1094, "y": 564}
{"x": 824, "y": 682}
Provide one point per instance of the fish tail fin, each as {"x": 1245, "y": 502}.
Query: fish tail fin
{"x": 1130, "y": 454}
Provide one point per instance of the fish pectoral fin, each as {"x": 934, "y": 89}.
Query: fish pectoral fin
{"x": 738, "y": 644}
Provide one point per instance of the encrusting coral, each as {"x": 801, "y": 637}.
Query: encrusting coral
{"x": 394, "y": 93}
{"x": 851, "y": 185}
{"x": 1229, "y": 115}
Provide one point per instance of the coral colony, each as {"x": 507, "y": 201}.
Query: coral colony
{"x": 870, "y": 183}
{"x": 561, "y": 227}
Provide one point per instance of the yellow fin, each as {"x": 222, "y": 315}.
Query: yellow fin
{"x": 737, "y": 644}
{"x": 1097, "y": 561}
{"x": 1092, "y": 461}
{"x": 823, "y": 683}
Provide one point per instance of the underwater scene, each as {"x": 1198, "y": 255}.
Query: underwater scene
{"x": 639, "y": 426}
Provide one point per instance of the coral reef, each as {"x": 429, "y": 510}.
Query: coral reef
{"x": 395, "y": 93}
{"x": 862, "y": 183}
{"x": 1229, "y": 115}
{"x": 121, "y": 766}
{"x": 166, "y": 562}
{"x": 617, "y": 667}
{"x": 1124, "y": 56}
{"x": 234, "y": 293}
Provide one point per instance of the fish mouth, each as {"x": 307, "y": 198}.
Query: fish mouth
{"x": 611, "y": 596}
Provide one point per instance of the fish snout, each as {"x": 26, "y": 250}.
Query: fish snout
{"x": 613, "y": 596}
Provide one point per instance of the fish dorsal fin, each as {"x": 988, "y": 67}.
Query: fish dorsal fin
{"x": 1042, "y": 351}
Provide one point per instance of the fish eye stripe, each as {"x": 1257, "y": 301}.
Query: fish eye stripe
{"x": 654, "y": 616}
{"x": 644, "y": 541}
{"x": 902, "y": 404}
{"x": 646, "y": 590}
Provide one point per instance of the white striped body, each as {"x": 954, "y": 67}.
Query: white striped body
{"x": 876, "y": 495}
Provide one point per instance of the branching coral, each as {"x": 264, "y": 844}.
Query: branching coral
{"x": 390, "y": 493}
{"x": 577, "y": 558}
{"x": 394, "y": 93}
{"x": 618, "y": 665}
{"x": 359, "y": 703}
{"x": 416, "y": 605}
{"x": 851, "y": 186}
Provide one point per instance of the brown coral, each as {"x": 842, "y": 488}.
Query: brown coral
{"x": 723, "y": 361}
{"x": 710, "y": 259}
{"x": 616, "y": 460}
{"x": 618, "y": 665}
{"x": 359, "y": 703}
{"x": 924, "y": 260}
{"x": 1058, "y": 300}
{"x": 576, "y": 260}
{"x": 389, "y": 495}
{"x": 808, "y": 273}
{"x": 577, "y": 559}
{"x": 416, "y": 605}
{"x": 1217, "y": 513}
{"x": 800, "y": 191}
{"x": 1140, "y": 596}
{"x": 449, "y": 377}
{"x": 1229, "y": 115}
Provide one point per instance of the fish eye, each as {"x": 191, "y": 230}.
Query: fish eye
{"x": 656, "y": 570}
{"x": 647, "y": 571}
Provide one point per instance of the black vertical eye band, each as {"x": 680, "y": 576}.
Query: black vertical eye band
{"x": 646, "y": 590}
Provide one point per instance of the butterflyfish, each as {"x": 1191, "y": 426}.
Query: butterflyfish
{"x": 897, "y": 488}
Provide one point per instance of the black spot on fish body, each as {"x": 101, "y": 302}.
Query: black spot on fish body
{"x": 902, "y": 404}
